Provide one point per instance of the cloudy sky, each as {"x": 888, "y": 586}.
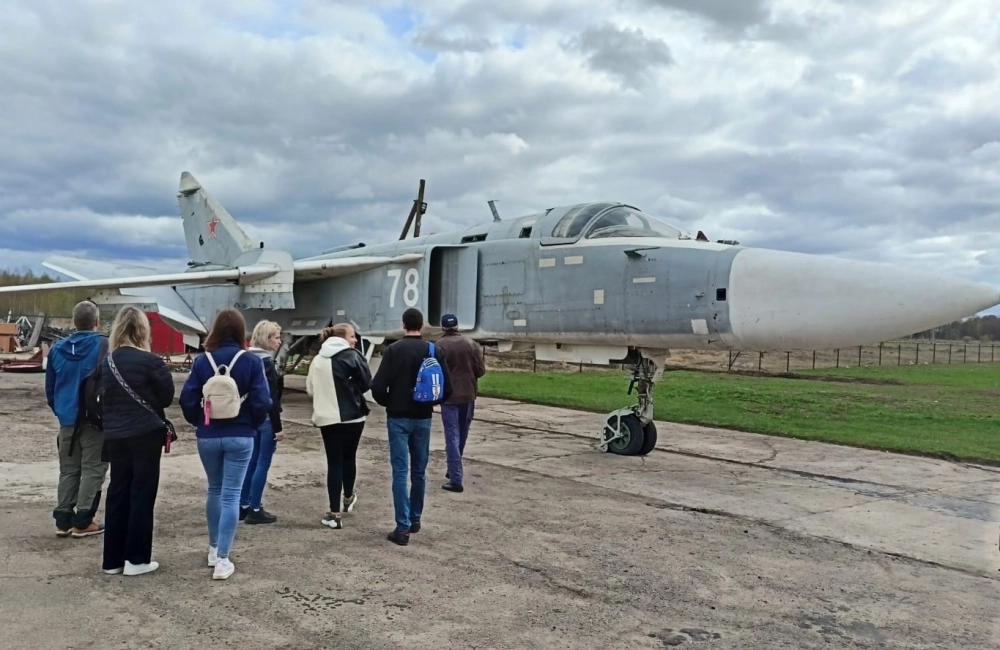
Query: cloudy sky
{"x": 855, "y": 128}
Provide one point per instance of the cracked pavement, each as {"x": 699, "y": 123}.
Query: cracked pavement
{"x": 719, "y": 539}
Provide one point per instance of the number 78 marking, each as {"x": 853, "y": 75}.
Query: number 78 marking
{"x": 411, "y": 286}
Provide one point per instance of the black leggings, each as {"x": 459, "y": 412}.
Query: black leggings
{"x": 341, "y": 444}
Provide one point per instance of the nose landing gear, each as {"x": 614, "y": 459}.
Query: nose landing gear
{"x": 630, "y": 431}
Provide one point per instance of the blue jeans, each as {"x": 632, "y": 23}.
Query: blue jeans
{"x": 260, "y": 463}
{"x": 409, "y": 448}
{"x": 225, "y": 461}
{"x": 456, "y": 419}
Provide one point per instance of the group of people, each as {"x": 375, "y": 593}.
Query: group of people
{"x": 110, "y": 395}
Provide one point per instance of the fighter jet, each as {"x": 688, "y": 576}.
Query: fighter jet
{"x": 596, "y": 282}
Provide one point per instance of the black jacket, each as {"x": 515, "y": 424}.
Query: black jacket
{"x": 275, "y": 383}
{"x": 393, "y": 384}
{"x": 352, "y": 378}
{"x": 148, "y": 377}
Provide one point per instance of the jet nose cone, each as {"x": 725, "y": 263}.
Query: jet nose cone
{"x": 790, "y": 301}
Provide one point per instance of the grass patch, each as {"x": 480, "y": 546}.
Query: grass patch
{"x": 950, "y": 411}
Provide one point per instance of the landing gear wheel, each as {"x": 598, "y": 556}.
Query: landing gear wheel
{"x": 630, "y": 436}
{"x": 649, "y": 439}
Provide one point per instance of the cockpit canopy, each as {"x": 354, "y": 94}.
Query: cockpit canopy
{"x": 612, "y": 220}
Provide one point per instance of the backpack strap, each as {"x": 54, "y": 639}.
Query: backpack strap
{"x": 211, "y": 360}
{"x": 233, "y": 361}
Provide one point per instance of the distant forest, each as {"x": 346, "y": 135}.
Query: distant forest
{"x": 59, "y": 304}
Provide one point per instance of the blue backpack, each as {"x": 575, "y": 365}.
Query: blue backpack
{"x": 430, "y": 379}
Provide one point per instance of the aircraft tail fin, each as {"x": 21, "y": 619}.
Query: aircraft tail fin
{"x": 212, "y": 235}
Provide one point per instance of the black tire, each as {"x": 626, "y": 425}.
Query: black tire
{"x": 633, "y": 436}
{"x": 649, "y": 439}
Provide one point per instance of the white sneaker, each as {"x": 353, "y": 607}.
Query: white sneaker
{"x": 223, "y": 569}
{"x": 139, "y": 569}
{"x": 113, "y": 572}
{"x": 213, "y": 555}
{"x": 350, "y": 503}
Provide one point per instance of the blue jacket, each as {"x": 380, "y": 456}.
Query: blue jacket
{"x": 250, "y": 379}
{"x": 69, "y": 361}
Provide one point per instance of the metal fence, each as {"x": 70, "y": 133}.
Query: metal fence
{"x": 890, "y": 353}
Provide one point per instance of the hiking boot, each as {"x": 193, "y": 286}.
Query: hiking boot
{"x": 260, "y": 517}
{"x": 350, "y": 501}
{"x": 451, "y": 487}
{"x": 415, "y": 526}
{"x": 400, "y": 537}
{"x": 332, "y": 519}
{"x": 92, "y": 529}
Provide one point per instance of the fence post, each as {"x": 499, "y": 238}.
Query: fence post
{"x": 788, "y": 361}
{"x": 979, "y": 359}
{"x": 949, "y": 353}
{"x": 859, "y": 355}
{"x": 814, "y": 359}
{"x": 965, "y": 354}
{"x": 899, "y": 355}
{"x": 918, "y": 354}
{"x": 838, "y": 357}
{"x": 933, "y": 353}
{"x": 880, "y": 354}
{"x": 760, "y": 361}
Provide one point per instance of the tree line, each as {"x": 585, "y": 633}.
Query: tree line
{"x": 58, "y": 304}
{"x": 978, "y": 328}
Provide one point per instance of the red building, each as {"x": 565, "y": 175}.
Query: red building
{"x": 166, "y": 340}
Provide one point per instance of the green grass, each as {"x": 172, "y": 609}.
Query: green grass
{"x": 950, "y": 411}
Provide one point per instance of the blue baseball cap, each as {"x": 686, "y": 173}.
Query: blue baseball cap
{"x": 449, "y": 320}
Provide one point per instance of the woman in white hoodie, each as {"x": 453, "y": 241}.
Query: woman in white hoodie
{"x": 338, "y": 379}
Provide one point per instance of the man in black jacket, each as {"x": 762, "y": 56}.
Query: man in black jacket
{"x": 408, "y": 421}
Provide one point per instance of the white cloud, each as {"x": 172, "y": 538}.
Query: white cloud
{"x": 859, "y": 129}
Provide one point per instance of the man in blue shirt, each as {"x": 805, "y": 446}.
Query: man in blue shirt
{"x": 81, "y": 470}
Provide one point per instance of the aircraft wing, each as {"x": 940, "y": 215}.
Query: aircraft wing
{"x": 102, "y": 275}
{"x": 316, "y": 269}
{"x": 93, "y": 274}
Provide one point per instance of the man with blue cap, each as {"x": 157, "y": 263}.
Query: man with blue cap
{"x": 465, "y": 366}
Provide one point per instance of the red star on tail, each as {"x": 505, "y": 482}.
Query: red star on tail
{"x": 212, "y": 225}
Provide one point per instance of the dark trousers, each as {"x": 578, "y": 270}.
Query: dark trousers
{"x": 456, "y": 419}
{"x": 341, "y": 444}
{"x": 135, "y": 478}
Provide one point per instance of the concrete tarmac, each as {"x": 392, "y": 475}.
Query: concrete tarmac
{"x": 718, "y": 539}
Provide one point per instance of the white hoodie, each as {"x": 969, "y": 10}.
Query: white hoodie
{"x": 319, "y": 384}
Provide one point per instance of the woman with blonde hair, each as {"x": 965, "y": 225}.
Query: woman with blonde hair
{"x": 138, "y": 388}
{"x": 338, "y": 379}
{"x": 264, "y": 342}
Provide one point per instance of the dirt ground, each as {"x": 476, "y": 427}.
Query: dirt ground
{"x": 715, "y": 540}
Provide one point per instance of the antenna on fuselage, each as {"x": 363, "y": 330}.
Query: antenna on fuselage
{"x": 493, "y": 209}
{"x": 417, "y": 211}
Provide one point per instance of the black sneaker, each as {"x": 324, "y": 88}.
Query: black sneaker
{"x": 415, "y": 526}
{"x": 260, "y": 517}
{"x": 402, "y": 538}
{"x": 243, "y": 512}
{"x": 451, "y": 487}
